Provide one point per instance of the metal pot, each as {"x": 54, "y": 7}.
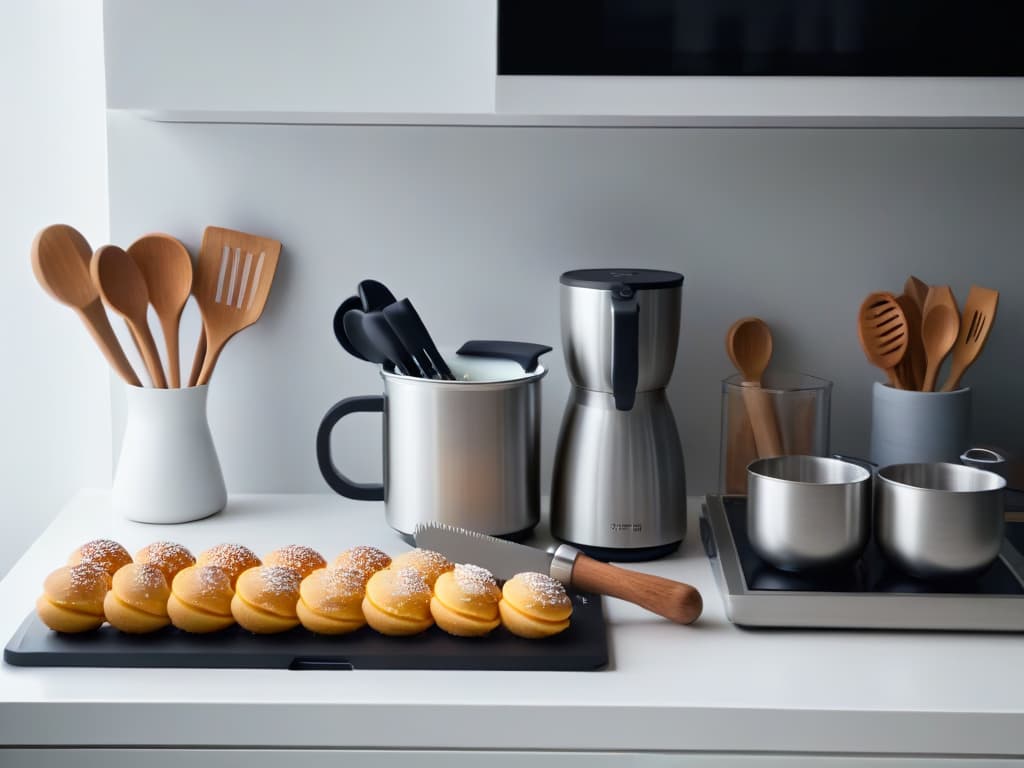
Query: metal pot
{"x": 939, "y": 520}
{"x": 464, "y": 452}
{"x": 806, "y": 512}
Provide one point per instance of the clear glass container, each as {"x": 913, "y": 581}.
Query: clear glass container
{"x": 787, "y": 415}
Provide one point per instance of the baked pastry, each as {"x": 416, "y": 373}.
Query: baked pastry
{"x": 265, "y": 598}
{"x": 200, "y": 600}
{"x": 303, "y": 560}
{"x": 72, "y": 599}
{"x": 331, "y": 601}
{"x": 534, "y": 605}
{"x": 107, "y": 554}
{"x": 428, "y": 563}
{"x": 397, "y": 602}
{"x": 167, "y": 556}
{"x": 465, "y": 601}
{"x": 366, "y": 560}
{"x": 137, "y": 600}
{"x": 230, "y": 558}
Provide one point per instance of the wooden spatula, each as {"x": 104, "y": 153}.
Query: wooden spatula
{"x": 232, "y": 280}
{"x": 979, "y": 314}
{"x": 882, "y": 328}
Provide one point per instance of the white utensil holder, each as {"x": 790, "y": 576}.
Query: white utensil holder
{"x": 168, "y": 471}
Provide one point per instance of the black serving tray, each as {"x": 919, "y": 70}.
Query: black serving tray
{"x": 582, "y": 647}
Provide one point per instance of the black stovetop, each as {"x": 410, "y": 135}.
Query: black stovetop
{"x": 871, "y": 573}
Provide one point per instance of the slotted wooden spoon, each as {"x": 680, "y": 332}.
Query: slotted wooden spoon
{"x": 979, "y": 314}
{"x": 60, "y": 261}
{"x": 910, "y": 371}
{"x": 167, "y": 269}
{"x": 940, "y": 326}
{"x": 749, "y": 346}
{"x": 232, "y": 281}
{"x": 882, "y": 328}
{"x": 123, "y": 288}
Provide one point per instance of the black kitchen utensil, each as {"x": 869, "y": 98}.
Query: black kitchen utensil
{"x": 375, "y": 295}
{"x": 524, "y": 353}
{"x": 380, "y": 336}
{"x": 351, "y": 303}
{"x": 413, "y": 334}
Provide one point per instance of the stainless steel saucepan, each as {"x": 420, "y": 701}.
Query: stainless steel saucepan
{"x": 939, "y": 520}
{"x": 806, "y": 512}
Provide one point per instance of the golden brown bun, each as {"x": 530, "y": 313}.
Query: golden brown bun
{"x": 397, "y": 602}
{"x": 233, "y": 559}
{"x": 137, "y": 600}
{"x": 426, "y": 562}
{"x": 167, "y": 556}
{"x": 265, "y": 599}
{"x": 330, "y": 601}
{"x": 200, "y": 599}
{"x": 107, "y": 554}
{"x": 72, "y": 599}
{"x": 465, "y": 601}
{"x": 302, "y": 560}
{"x": 534, "y": 605}
{"x": 366, "y": 560}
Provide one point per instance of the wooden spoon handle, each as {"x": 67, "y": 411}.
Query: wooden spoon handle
{"x": 213, "y": 348}
{"x": 930, "y": 374}
{"x": 674, "y": 600}
{"x": 763, "y": 420}
{"x": 148, "y": 350}
{"x": 956, "y": 373}
{"x": 197, "y": 359}
{"x": 95, "y": 319}
{"x": 169, "y": 328}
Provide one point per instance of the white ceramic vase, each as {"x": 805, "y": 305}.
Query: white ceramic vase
{"x": 168, "y": 471}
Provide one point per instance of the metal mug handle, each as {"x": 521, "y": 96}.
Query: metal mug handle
{"x": 338, "y": 482}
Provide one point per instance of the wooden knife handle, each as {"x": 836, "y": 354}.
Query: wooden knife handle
{"x": 672, "y": 599}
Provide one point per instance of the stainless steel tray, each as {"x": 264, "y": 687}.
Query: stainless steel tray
{"x": 993, "y": 603}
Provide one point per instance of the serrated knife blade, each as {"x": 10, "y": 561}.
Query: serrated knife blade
{"x": 502, "y": 558}
{"x": 674, "y": 600}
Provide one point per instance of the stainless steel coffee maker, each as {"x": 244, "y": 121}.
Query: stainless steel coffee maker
{"x": 619, "y": 488}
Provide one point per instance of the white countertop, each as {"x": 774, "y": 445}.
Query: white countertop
{"x": 711, "y": 686}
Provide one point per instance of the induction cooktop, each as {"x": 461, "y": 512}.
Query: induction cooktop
{"x": 870, "y": 594}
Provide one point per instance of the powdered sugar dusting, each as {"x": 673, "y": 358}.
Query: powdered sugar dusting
{"x": 163, "y": 553}
{"x": 229, "y": 556}
{"x": 474, "y": 580}
{"x": 423, "y": 559}
{"x": 409, "y": 583}
{"x": 342, "y": 581}
{"x": 211, "y": 581}
{"x": 88, "y": 576}
{"x": 102, "y": 552}
{"x": 297, "y": 557}
{"x": 365, "y": 559}
{"x": 544, "y": 590}
{"x": 279, "y": 580}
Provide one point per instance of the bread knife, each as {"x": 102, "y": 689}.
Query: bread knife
{"x": 674, "y": 600}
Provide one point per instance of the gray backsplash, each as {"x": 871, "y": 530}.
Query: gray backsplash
{"x": 476, "y": 224}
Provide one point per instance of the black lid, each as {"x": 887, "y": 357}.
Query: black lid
{"x": 606, "y": 279}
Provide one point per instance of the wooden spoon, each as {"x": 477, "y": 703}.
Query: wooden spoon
{"x": 749, "y": 346}
{"x": 123, "y": 289}
{"x": 917, "y": 290}
{"x": 882, "y": 328}
{"x": 167, "y": 269}
{"x": 60, "y": 261}
{"x": 232, "y": 281}
{"x": 979, "y": 314}
{"x": 940, "y": 326}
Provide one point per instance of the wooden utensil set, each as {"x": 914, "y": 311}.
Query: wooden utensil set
{"x": 910, "y": 336}
{"x": 232, "y": 280}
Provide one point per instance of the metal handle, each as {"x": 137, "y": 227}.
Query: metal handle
{"x": 625, "y": 346}
{"x": 338, "y": 482}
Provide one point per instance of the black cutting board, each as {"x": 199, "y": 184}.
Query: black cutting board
{"x": 583, "y": 646}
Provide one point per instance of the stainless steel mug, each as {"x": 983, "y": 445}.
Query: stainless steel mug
{"x": 464, "y": 452}
{"x": 939, "y": 520}
{"x": 807, "y": 512}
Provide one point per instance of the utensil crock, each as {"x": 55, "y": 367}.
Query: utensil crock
{"x": 168, "y": 470}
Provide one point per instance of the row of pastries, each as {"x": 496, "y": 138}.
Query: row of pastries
{"x": 227, "y": 584}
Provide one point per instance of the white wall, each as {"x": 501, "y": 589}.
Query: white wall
{"x": 476, "y": 224}
{"x": 54, "y": 387}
